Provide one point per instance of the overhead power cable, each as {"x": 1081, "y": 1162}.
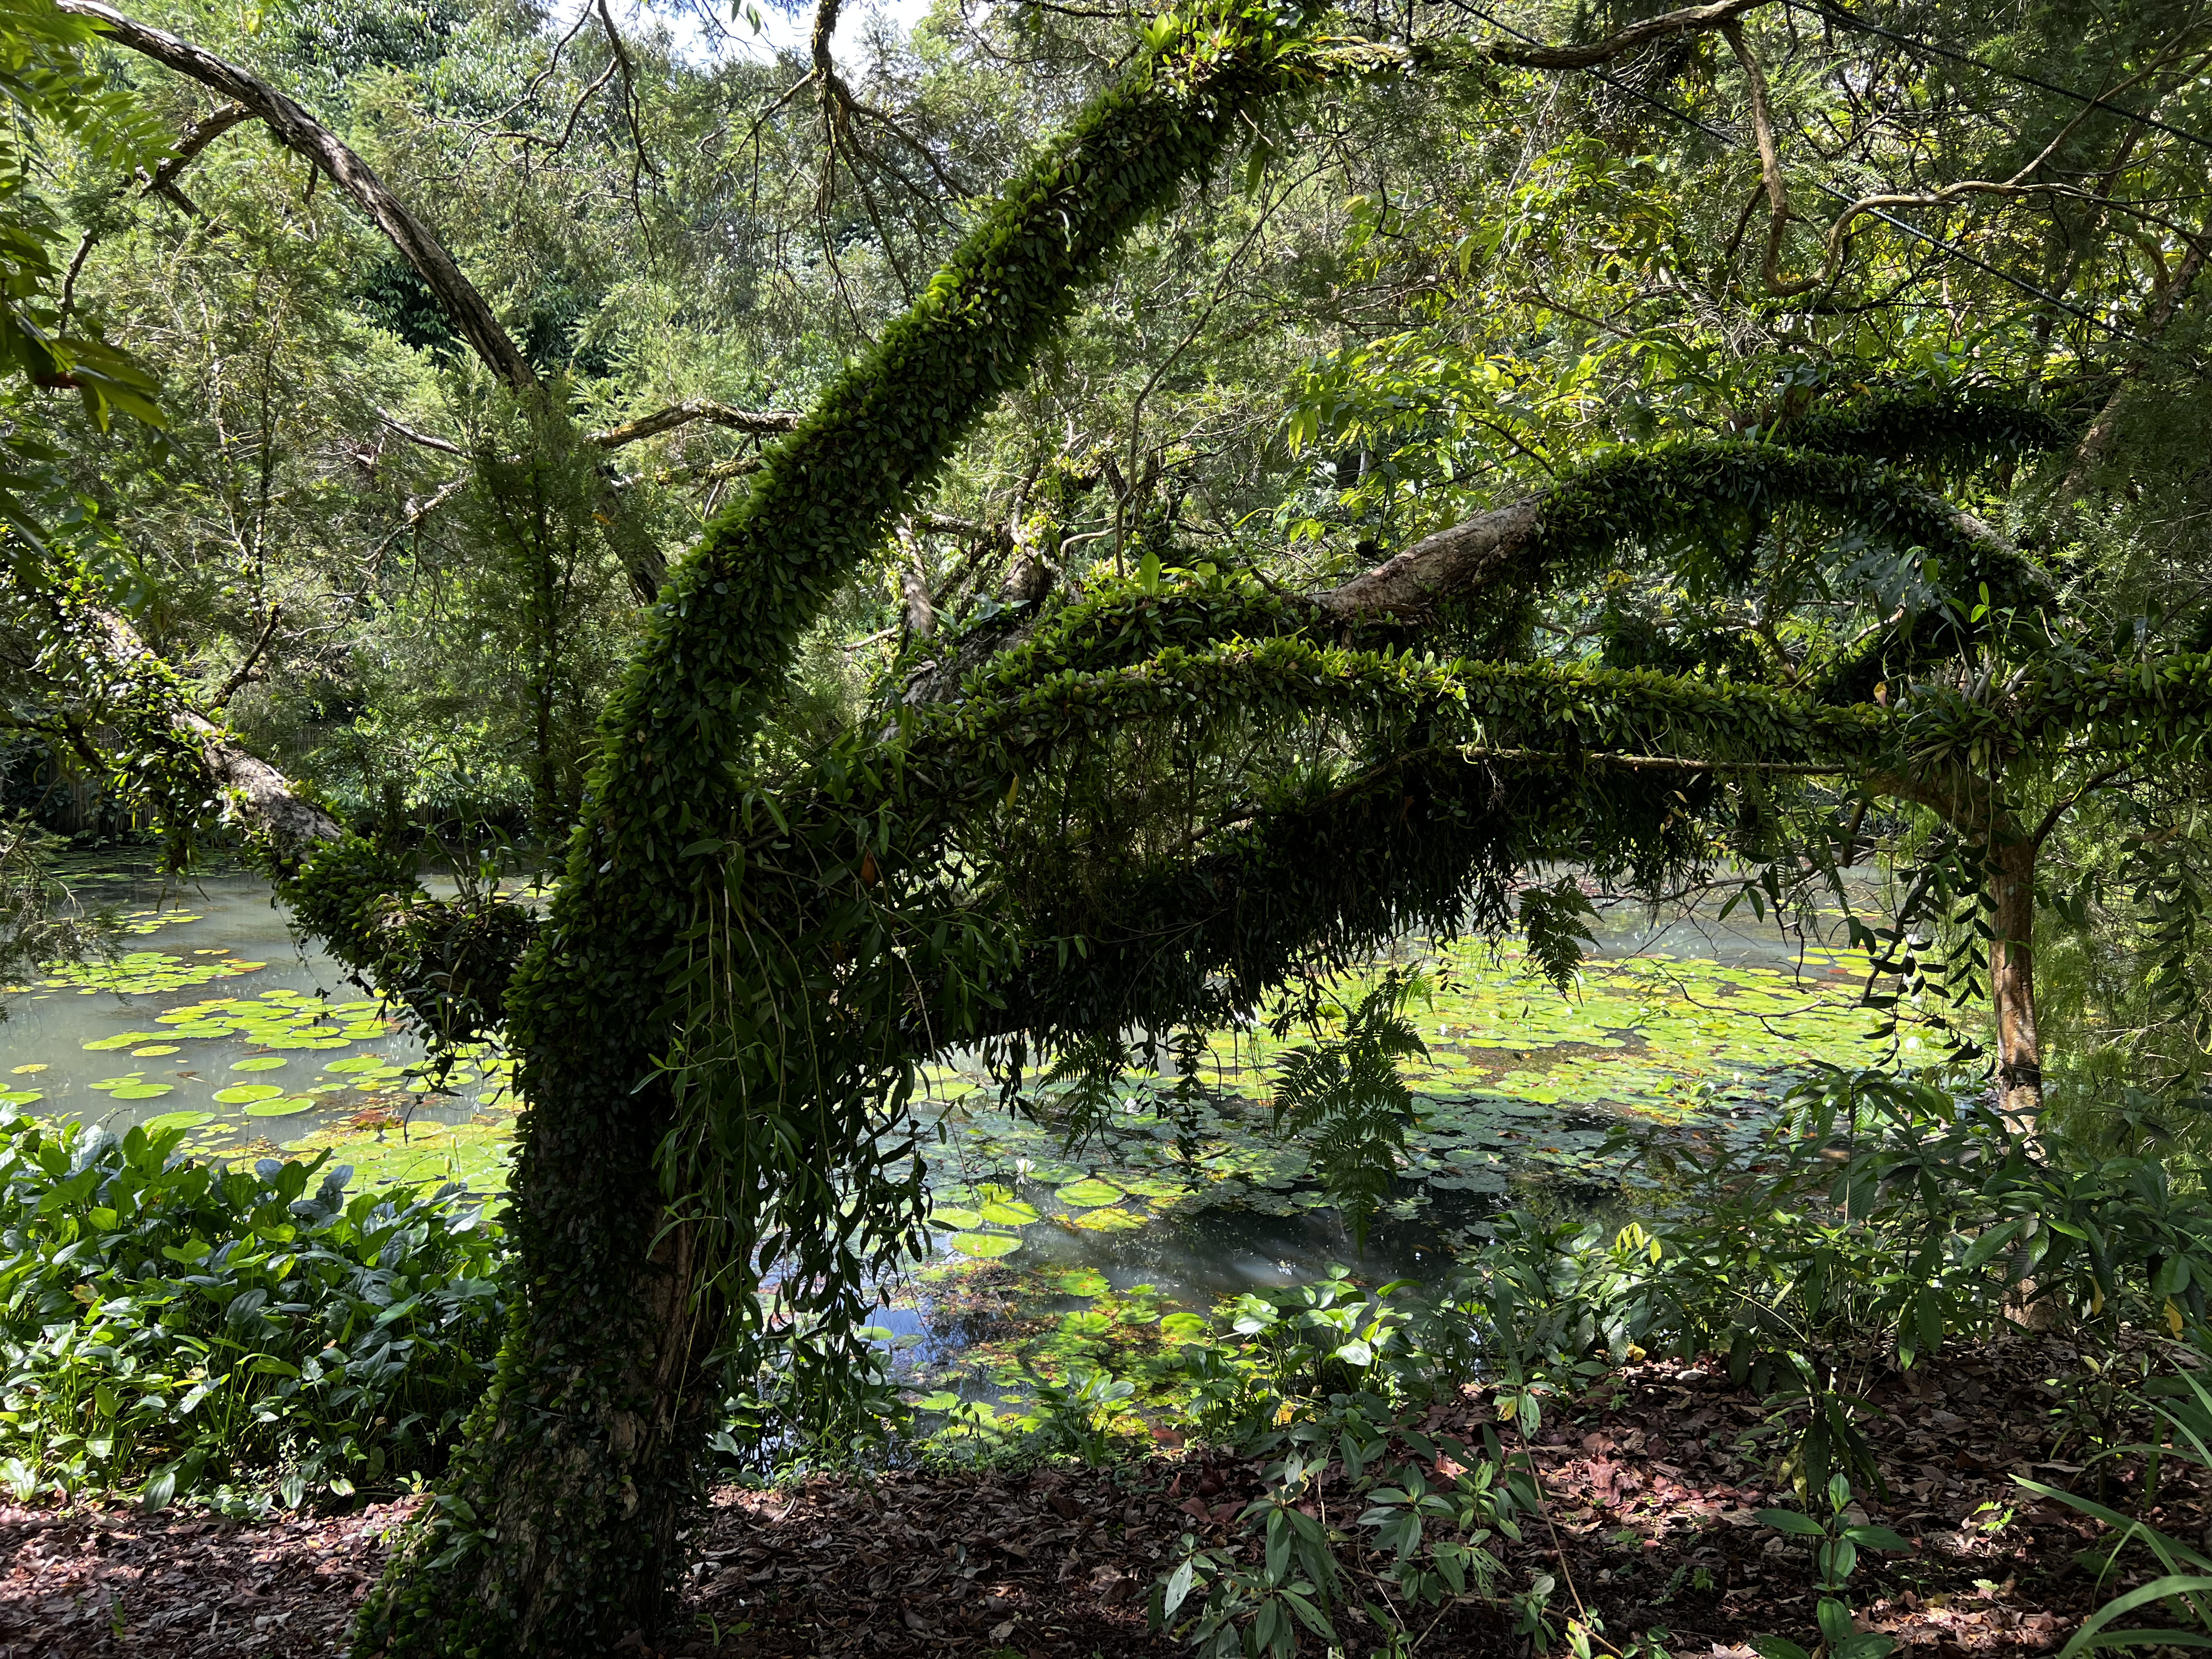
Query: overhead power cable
{"x": 1735, "y": 140}
{"x": 1852, "y": 20}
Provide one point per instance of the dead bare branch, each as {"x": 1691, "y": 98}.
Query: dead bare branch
{"x": 759, "y": 422}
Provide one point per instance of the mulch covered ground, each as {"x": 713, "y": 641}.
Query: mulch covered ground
{"x": 1652, "y": 1490}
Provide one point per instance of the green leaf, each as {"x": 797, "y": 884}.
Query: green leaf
{"x": 1179, "y": 1584}
{"x": 1790, "y": 1522}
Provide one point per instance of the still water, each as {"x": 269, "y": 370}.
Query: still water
{"x": 218, "y": 1018}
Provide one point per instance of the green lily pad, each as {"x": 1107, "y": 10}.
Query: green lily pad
{"x": 152, "y": 1049}
{"x": 22, "y": 1097}
{"x": 154, "y": 1126}
{"x": 245, "y": 1094}
{"x": 260, "y": 1063}
{"x": 986, "y": 1246}
{"x": 1009, "y": 1213}
{"x": 122, "y": 1040}
{"x": 285, "y": 1106}
{"x": 952, "y": 1215}
{"x": 1107, "y": 1221}
{"x": 1153, "y": 1187}
{"x": 1088, "y": 1194}
{"x": 143, "y": 1092}
{"x": 357, "y": 1063}
{"x": 1078, "y": 1281}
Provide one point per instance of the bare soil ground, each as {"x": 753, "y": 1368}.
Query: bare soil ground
{"x": 1652, "y": 1497}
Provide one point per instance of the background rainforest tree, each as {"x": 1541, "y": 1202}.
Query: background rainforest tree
{"x": 932, "y": 589}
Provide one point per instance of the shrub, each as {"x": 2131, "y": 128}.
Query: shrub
{"x": 171, "y": 1326}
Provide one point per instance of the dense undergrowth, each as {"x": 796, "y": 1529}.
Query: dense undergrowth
{"x": 257, "y": 1336}
{"x": 171, "y": 1328}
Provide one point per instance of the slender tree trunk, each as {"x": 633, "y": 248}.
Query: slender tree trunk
{"x": 2012, "y": 985}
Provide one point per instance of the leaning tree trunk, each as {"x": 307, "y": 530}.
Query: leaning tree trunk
{"x": 555, "y": 1531}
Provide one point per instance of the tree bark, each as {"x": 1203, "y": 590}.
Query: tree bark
{"x": 2012, "y": 985}
{"x": 260, "y": 797}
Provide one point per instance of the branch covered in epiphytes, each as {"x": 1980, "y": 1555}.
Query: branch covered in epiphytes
{"x": 254, "y": 794}
{"x": 446, "y": 961}
{"x": 1585, "y": 523}
{"x": 298, "y": 131}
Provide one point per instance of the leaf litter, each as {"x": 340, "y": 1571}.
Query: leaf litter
{"x": 1652, "y": 1481}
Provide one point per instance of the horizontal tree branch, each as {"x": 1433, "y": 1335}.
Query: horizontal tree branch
{"x": 759, "y": 422}
{"x": 1656, "y": 763}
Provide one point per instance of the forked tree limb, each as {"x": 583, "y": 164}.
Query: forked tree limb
{"x": 298, "y": 131}
{"x": 197, "y": 136}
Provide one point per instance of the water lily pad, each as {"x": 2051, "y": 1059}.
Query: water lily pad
{"x": 1088, "y": 1194}
{"x": 152, "y": 1049}
{"x": 122, "y": 1040}
{"x": 22, "y": 1097}
{"x": 1107, "y": 1221}
{"x": 285, "y": 1106}
{"x": 357, "y": 1063}
{"x": 26, "y": 1071}
{"x": 1078, "y": 1281}
{"x": 1009, "y": 1213}
{"x": 986, "y": 1246}
{"x": 143, "y": 1092}
{"x": 154, "y": 1126}
{"x": 245, "y": 1094}
{"x": 260, "y": 1063}
{"x": 1154, "y": 1187}
{"x": 952, "y": 1215}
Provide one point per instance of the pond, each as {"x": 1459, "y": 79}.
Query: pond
{"x": 214, "y": 1017}
{"x": 218, "y": 1018}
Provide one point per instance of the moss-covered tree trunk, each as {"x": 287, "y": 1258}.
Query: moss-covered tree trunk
{"x": 555, "y": 1533}
{"x": 565, "y": 1504}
